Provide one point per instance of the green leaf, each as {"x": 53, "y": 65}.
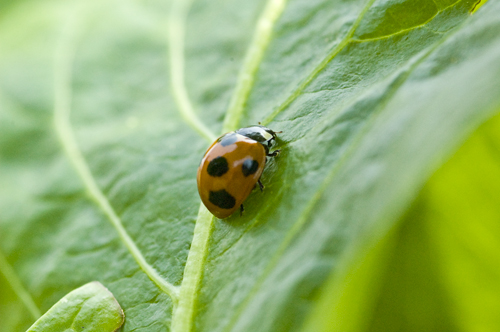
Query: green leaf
{"x": 106, "y": 108}
{"x": 88, "y": 308}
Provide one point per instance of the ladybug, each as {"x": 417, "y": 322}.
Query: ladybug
{"x": 231, "y": 168}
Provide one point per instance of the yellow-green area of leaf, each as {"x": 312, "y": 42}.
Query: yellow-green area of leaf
{"x": 433, "y": 271}
{"x": 90, "y": 308}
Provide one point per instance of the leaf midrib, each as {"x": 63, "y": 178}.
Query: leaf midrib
{"x": 183, "y": 314}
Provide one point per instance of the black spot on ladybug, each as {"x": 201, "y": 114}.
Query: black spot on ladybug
{"x": 249, "y": 167}
{"x": 228, "y": 139}
{"x": 217, "y": 167}
{"x": 222, "y": 199}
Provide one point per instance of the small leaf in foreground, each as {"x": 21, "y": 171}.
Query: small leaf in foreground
{"x": 88, "y": 308}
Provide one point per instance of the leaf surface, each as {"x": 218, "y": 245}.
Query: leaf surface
{"x": 107, "y": 107}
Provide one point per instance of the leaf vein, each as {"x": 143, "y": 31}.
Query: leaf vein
{"x": 62, "y": 106}
{"x": 176, "y": 36}
{"x": 403, "y": 31}
{"x": 253, "y": 59}
{"x": 17, "y": 286}
{"x": 346, "y": 40}
{"x": 182, "y": 320}
{"x": 320, "y": 66}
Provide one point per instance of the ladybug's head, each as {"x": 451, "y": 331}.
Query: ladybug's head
{"x": 261, "y": 134}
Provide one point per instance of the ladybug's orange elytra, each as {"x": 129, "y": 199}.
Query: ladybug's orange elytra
{"x": 232, "y": 166}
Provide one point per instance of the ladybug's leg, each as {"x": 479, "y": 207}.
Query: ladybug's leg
{"x": 241, "y": 210}
{"x": 274, "y": 153}
{"x": 260, "y": 185}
